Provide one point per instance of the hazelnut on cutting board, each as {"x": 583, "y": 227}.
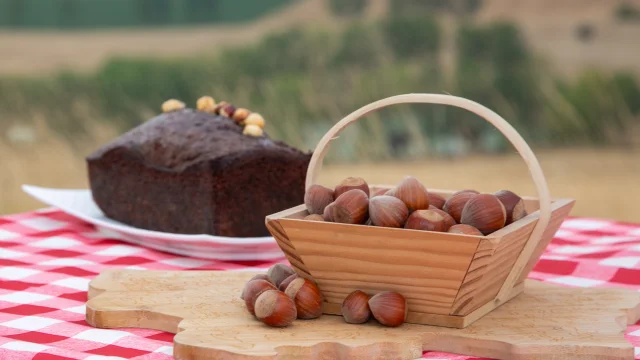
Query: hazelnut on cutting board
{"x": 355, "y": 308}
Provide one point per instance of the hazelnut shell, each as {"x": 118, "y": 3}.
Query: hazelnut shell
{"x": 464, "y": 229}
{"x": 387, "y": 211}
{"x": 456, "y": 203}
{"x": 389, "y": 308}
{"x": 355, "y": 308}
{"x": 412, "y": 193}
{"x": 378, "y": 192}
{"x": 327, "y": 213}
{"x": 484, "y": 212}
{"x": 286, "y": 282}
{"x": 278, "y": 272}
{"x": 274, "y": 308}
{"x": 448, "y": 219}
{"x": 513, "y": 205}
{"x": 350, "y": 207}
{"x": 427, "y": 220}
{"x": 255, "y": 277}
{"x": 351, "y": 183}
{"x": 436, "y": 200}
{"x": 252, "y": 290}
{"x": 306, "y": 296}
{"x": 317, "y": 197}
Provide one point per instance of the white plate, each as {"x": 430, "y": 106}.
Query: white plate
{"x": 80, "y": 204}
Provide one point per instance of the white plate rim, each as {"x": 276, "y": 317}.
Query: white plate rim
{"x": 37, "y": 193}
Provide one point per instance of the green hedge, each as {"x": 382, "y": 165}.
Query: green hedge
{"x": 82, "y": 14}
{"x": 303, "y": 82}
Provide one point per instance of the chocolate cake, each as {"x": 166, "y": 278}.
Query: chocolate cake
{"x": 195, "y": 172}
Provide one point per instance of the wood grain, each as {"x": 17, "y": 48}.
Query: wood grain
{"x": 425, "y": 267}
{"x": 211, "y": 322}
{"x": 443, "y": 276}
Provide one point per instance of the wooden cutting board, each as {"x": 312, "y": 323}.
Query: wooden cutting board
{"x": 205, "y": 310}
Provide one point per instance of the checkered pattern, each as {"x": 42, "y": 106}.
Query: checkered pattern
{"x": 47, "y": 259}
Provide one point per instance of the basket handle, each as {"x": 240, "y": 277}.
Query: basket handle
{"x": 315, "y": 165}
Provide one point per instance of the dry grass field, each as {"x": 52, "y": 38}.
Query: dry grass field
{"x": 604, "y": 182}
{"x": 549, "y": 25}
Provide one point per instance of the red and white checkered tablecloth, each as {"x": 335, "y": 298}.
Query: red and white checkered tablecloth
{"x": 47, "y": 259}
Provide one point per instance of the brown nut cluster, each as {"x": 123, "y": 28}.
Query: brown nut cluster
{"x": 252, "y": 123}
{"x": 281, "y": 296}
{"x": 387, "y": 307}
{"x": 410, "y": 205}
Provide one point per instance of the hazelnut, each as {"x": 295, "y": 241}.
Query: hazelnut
{"x": 327, "y": 213}
{"x": 314, "y": 217}
{"x": 252, "y": 290}
{"x": 391, "y": 192}
{"x": 240, "y": 115}
{"x": 412, "y": 193}
{"x": 484, "y": 212}
{"x": 317, "y": 197}
{"x": 172, "y": 105}
{"x": 448, "y": 219}
{"x": 206, "y": 104}
{"x": 307, "y": 297}
{"x": 436, "y": 200}
{"x": 377, "y": 192}
{"x": 351, "y": 183}
{"x": 254, "y": 119}
{"x": 428, "y": 220}
{"x": 513, "y": 204}
{"x": 278, "y": 272}
{"x": 355, "y": 308}
{"x": 219, "y": 107}
{"x": 464, "y": 229}
{"x": 255, "y": 277}
{"x": 350, "y": 207}
{"x": 286, "y": 282}
{"x": 252, "y": 130}
{"x": 389, "y": 308}
{"x": 456, "y": 203}
{"x": 387, "y": 211}
{"x": 227, "y": 110}
{"x": 274, "y": 308}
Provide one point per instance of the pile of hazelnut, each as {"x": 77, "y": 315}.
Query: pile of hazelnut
{"x": 388, "y": 308}
{"x": 411, "y": 206}
{"x": 252, "y": 122}
{"x": 280, "y": 296}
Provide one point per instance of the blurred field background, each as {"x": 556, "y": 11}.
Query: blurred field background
{"x": 565, "y": 73}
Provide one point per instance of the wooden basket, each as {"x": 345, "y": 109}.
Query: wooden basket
{"x": 448, "y": 279}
